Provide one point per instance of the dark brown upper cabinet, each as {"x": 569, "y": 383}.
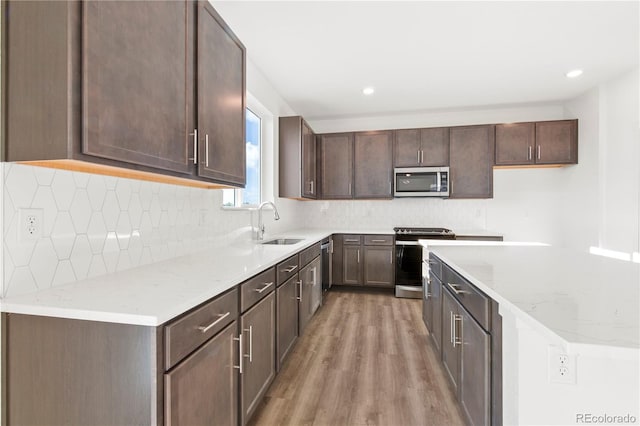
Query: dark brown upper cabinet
{"x": 472, "y": 151}
{"x": 543, "y": 142}
{"x": 221, "y": 99}
{"x": 94, "y": 84}
{"x": 297, "y": 151}
{"x": 421, "y": 147}
{"x": 373, "y": 166}
{"x": 557, "y": 142}
{"x": 336, "y": 165}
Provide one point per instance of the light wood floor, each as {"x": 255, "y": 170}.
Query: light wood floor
{"x": 364, "y": 359}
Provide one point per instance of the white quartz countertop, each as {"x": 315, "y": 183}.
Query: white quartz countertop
{"x": 583, "y": 299}
{"x": 154, "y": 294}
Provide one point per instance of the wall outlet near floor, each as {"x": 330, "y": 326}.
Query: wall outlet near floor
{"x": 562, "y": 366}
{"x": 30, "y": 224}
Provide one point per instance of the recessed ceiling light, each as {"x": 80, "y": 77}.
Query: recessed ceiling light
{"x": 574, "y": 73}
{"x": 368, "y": 90}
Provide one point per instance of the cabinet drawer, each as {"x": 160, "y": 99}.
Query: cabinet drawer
{"x": 256, "y": 288}
{"x": 287, "y": 268}
{"x": 473, "y": 300}
{"x": 378, "y": 240}
{"x": 188, "y": 332}
{"x": 349, "y": 239}
{"x": 435, "y": 265}
{"x": 308, "y": 254}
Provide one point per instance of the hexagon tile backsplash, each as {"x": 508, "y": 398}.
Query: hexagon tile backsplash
{"x": 95, "y": 224}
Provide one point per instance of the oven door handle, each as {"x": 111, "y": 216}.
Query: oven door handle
{"x": 407, "y": 243}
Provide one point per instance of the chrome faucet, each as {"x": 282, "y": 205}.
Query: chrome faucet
{"x": 276, "y": 216}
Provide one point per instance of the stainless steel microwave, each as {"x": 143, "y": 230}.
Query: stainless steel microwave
{"x": 421, "y": 182}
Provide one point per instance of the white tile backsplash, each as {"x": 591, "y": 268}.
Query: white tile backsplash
{"x": 95, "y": 224}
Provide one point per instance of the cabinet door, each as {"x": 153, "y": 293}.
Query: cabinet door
{"x": 406, "y": 148}
{"x": 309, "y": 184}
{"x": 337, "y": 259}
{"x": 373, "y": 165}
{"x": 472, "y": 156}
{"x": 515, "y": 143}
{"x": 351, "y": 266}
{"x": 557, "y": 142}
{"x": 434, "y": 146}
{"x": 378, "y": 266}
{"x": 336, "y": 159}
{"x": 311, "y": 289}
{"x": 221, "y": 100}
{"x": 203, "y": 388}
{"x": 475, "y": 370}
{"x": 287, "y": 295}
{"x": 436, "y": 307}
{"x": 138, "y": 83}
{"x": 258, "y": 327}
{"x": 450, "y": 352}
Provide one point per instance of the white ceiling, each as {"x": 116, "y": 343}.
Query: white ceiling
{"x": 429, "y": 55}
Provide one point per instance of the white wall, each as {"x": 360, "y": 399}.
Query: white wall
{"x": 601, "y": 197}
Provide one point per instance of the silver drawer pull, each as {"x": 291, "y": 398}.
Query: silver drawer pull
{"x": 378, "y": 241}
{"x": 432, "y": 262}
{"x": 454, "y": 288}
{"x": 290, "y": 269}
{"x": 457, "y": 340}
{"x": 239, "y": 340}
{"x": 266, "y": 286}
{"x": 300, "y": 286}
{"x": 351, "y": 240}
{"x": 204, "y": 329}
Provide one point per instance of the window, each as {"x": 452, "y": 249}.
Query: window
{"x": 250, "y": 195}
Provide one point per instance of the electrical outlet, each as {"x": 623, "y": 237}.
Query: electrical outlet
{"x": 562, "y": 366}
{"x": 31, "y": 222}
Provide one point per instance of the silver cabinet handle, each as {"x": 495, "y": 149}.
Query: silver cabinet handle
{"x": 206, "y": 150}
{"x": 539, "y": 152}
{"x": 351, "y": 240}
{"x": 378, "y": 241}
{"x": 451, "y": 332}
{"x": 331, "y": 246}
{"x": 290, "y": 269}
{"x": 239, "y": 340}
{"x": 391, "y": 257}
{"x": 250, "y": 356}
{"x": 432, "y": 262}
{"x": 195, "y": 146}
{"x": 358, "y": 255}
{"x": 311, "y": 185}
{"x": 457, "y": 340}
{"x": 265, "y": 286}
{"x": 349, "y": 188}
{"x": 300, "y": 298}
{"x": 454, "y": 288}
{"x": 529, "y": 156}
{"x": 427, "y": 284}
{"x": 206, "y": 328}
{"x": 421, "y": 156}
{"x": 390, "y": 187}
{"x": 418, "y": 154}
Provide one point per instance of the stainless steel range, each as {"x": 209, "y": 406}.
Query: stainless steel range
{"x": 409, "y": 258}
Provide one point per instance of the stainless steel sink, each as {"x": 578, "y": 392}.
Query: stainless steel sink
{"x": 283, "y": 241}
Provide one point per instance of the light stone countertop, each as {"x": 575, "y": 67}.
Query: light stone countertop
{"x": 585, "y": 300}
{"x": 156, "y": 293}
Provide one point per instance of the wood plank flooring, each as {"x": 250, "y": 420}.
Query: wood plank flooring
{"x": 364, "y": 359}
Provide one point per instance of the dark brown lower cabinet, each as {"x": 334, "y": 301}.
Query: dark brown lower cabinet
{"x": 258, "y": 327}
{"x": 310, "y": 289}
{"x": 475, "y": 370}
{"x": 287, "y": 324}
{"x": 432, "y": 309}
{"x": 450, "y": 352}
{"x": 378, "y": 266}
{"x": 351, "y": 267}
{"x": 202, "y": 389}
